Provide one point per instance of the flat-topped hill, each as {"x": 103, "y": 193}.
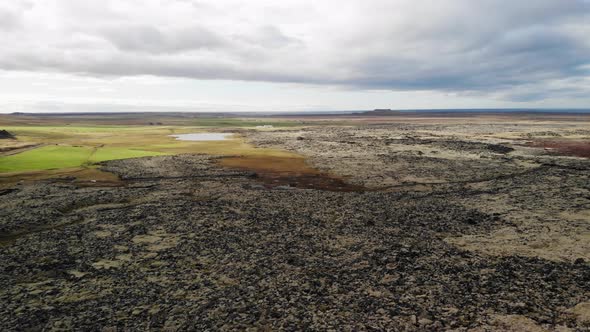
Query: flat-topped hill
{"x": 380, "y": 112}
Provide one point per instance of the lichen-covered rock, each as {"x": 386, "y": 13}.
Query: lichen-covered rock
{"x": 184, "y": 244}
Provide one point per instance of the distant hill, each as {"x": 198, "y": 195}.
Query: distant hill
{"x": 379, "y": 112}
{"x": 6, "y": 135}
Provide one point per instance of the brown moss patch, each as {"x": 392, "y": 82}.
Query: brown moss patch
{"x": 276, "y": 171}
{"x": 577, "y": 148}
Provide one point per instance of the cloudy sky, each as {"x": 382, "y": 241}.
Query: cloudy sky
{"x": 269, "y": 55}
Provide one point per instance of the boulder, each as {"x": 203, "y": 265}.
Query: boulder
{"x": 6, "y": 135}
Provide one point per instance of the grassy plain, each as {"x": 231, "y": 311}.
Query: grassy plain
{"x": 46, "y": 157}
{"x": 81, "y": 146}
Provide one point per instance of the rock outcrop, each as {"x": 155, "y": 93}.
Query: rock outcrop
{"x": 6, "y": 135}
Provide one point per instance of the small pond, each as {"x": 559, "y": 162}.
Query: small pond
{"x": 203, "y": 137}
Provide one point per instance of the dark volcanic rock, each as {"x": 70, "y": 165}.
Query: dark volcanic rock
{"x": 474, "y": 146}
{"x": 184, "y": 244}
{"x": 6, "y": 135}
{"x": 208, "y": 253}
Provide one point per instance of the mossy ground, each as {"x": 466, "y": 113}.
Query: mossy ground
{"x": 67, "y": 147}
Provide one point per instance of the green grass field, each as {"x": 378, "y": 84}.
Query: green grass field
{"x": 46, "y": 157}
{"x": 112, "y": 153}
{"x": 80, "y": 146}
{"x": 56, "y": 157}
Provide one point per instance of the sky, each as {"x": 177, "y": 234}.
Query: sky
{"x": 292, "y": 55}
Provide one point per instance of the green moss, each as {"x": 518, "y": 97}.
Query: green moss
{"x": 112, "y": 153}
{"x": 55, "y": 157}
{"x": 47, "y": 157}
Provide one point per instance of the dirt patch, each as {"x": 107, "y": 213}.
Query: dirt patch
{"x": 582, "y": 312}
{"x": 577, "y": 148}
{"x": 514, "y": 323}
{"x": 11, "y": 147}
{"x": 550, "y": 243}
{"x": 288, "y": 172}
{"x": 82, "y": 177}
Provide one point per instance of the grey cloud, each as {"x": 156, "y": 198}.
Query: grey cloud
{"x": 146, "y": 38}
{"x": 269, "y": 36}
{"x": 486, "y": 47}
{"x": 9, "y": 20}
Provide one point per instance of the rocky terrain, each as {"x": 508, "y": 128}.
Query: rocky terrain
{"x": 463, "y": 227}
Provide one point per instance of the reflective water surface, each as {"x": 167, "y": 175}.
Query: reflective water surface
{"x": 203, "y": 137}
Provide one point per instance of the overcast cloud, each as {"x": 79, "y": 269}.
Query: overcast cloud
{"x": 513, "y": 50}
